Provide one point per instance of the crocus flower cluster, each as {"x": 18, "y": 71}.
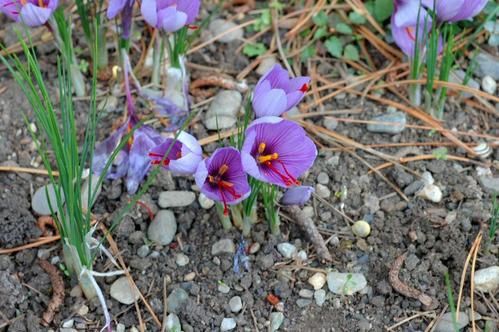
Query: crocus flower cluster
{"x": 411, "y": 18}
{"x": 33, "y": 13}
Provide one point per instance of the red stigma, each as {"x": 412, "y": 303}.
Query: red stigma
{"x": 410, "y": 33}
{"x": 152, "y": 155}
{"x": 193, "y": 27}
{"x": 304, "y": 88}
{"x": 286, "y": 177}
{"x": 224, "y": 187}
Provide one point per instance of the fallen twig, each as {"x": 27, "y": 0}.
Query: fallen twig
{"x": 307, "y": 224}
{"x": 57, "y": 292}
{"x": 404, "y": 289}
{"x": 197, "y": 87}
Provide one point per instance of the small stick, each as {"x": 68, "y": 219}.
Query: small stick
{"x": 472, "y": 281}
{"x": 404, "y": 289}
{"x": 307, "y": 224}
{"x": 57, "y": 292}
{"x": 26, "y": 170}
{"x": 463, "y": 274}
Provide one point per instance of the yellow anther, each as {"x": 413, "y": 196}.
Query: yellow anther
{"x": 223, "y": 169}
{"x": 261, "y": 148}
{"x": 269, "y": 157}
{"x": 41, "y": 4}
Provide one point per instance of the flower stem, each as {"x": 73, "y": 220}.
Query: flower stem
{"x": 157, "y": 60}
{"x": 224, "y": 219}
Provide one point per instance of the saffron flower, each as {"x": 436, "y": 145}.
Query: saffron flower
{"x": 298, "y": 195}
{"x": 405, "y": 26}
{"x": 184, "y": 154}
{"x": 132, "y": 161}
{"x": 276, "y": 93}
{"x": 125, "y": 7}
{"x": 221, "y": 177}
{"x": 455, "y": 10}
{"x": 277, "y": 151}
{"x": 170, "y": 15}
{"x": 33, "y": 13}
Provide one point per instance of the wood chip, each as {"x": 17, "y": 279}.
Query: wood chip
{"x": 57, "y": 292}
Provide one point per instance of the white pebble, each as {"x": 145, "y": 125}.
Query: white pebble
{"x": 317, "y": 280}
{"x": 487, "y": 280}
{"x": 228, "y": 324}
{"x": 205, "y": 202}
{"x": 361, "y": 228}
{"x": 489, "y": 85}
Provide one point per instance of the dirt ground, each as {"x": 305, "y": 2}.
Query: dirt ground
{"x": 435, "y": 236}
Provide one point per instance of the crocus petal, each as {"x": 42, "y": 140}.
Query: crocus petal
{"x": 298, "y": 195}
{"x": 445, "y": 9}
{"x": 34, "y": 16}
{"x": 190, "y": 142}
{"x": 104, "y": 150}
{"x": 406, "y": 13}
{"x": 190, "y": 8}
{"x": 148, "y": 9}
{"x": 273, "y": 103}
{"x": 186, "y": 165}
{"x": 11, "y": 8}
{"x": 201, "y": 174}
{"x": 470, "y": 9}
{"x": 115, "y": 7}
{"x": 170, "y": 19}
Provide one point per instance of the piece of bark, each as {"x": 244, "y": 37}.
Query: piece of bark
{"x": 308, "y": 225}
{"x": 57, "y": 292}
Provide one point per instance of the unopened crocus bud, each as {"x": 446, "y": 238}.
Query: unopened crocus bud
{"x": 276, "y": 93}
{"x": 33, "y": 13}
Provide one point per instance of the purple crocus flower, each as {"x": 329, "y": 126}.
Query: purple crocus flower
{"x": 221, "y": 177}
{"x": 125, "y": 7}
{"x": 455, "y": 10}
{"x": 33, "y": 13}
{"x": 277, "y": 151}
{"x": 298, "y": 195}
{"x": 133, "y": 160}
{"x": 184, "y": 156}
{"x": 276, "y": 93}
{"x": 170, "y": 15}
{"x": 405, "y": 26}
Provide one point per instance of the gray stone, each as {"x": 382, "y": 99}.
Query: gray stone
{"x": 393, "y": 123}
{"x": 235, "y": 304}
{"x": 228, "y": 324}
{"x": 345, "y": 283}
{"x": 320, "y": 297}
{"x": 445, "y": 324}
{"x": 163, "y": 228}
{"x": 302, "y": 303}
{"x": 287, "y": 250}
{"x": 123, "y": 292}
{"x": 265, "y": 65}
{"x": 323, "y": 178}
{"x": 306, "y": 293}
{"x": 322, "y": 191}
{"x": 330, "y": 123}
{"x": 120, "y": 327}
{"x": 173, "y": 323}
{"x": 219, "y": 26}
{"x": 177, "y": 300}
{"x": 223, "y": 110}
{"x": 223, "y": 246}
{"x": 143, "y": 251}
{"x": 176, "y": 198}
{"x": 276, "y": 320}
{"x": 487, "y": 65}
{"x": 223, "y": 288}
{"x": 487, "y": 280}
{"x": 39, "y": 202}
{"x": 490, "y": 184}
{"x": 489, "y": 85}
{"x": 181, "y": 259}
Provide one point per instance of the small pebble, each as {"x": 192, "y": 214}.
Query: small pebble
{"x": 163, "y": 228}
{"x": 223, "y": 246}
{"x": 223, "y": 288}
{"x": 228, "y": 324}
{"x": 318, "y": 280}
{"x": 76, "y": 292}
{"x": 176, "y": 198}
{"x": 220, "y": 26}
{"x": 393, "y": 123}
{"x": 330, "y": 123}
{"x": 306, "y": 293}
{"x": 322, "y": 191}
{"x": 301, "y": 256}
{"x": 253, "y": 248}
{"x": 143, "y": 251}
{"x": 235, "y": 304}
{"x": 276, "y": 319}
{"x": 39, "y": 201}
{"x": 287, "y": 250}
{"x": 83, "y": 310}
{"x": 320, "y": 297}
{"x": 177, "y": 300}
{"x": 120, "y": 327}
{"x": 489, "y": 85}
{"x": 173, "y": 323}
{"x": 205, "y": 202}
{"x": 122, "y": 291}
{"x": 308, "y": 211}
{"x": 361, "y": 228}
{"x": 487, "y": 280}
{"x": 445, "y": 324}
{"x": 323, "y": 178}
{"x": 302, "y": 303}
{"x": 431, "y": 193}
{"x": 68, "y": 323}
{"x": 265, "y": 65}
{"x": 181, "y": 259}
{"x": 223, "y": 110}
{"x": 190, "y": 276}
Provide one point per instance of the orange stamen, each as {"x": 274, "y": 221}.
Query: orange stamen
{"x": 410, "y": 33}
{"x": 224, "y": 186}
{"x": 263, "y": 159}
{"x": 261, "y": 148}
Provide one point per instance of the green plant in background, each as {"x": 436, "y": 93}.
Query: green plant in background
{"x": 450, "y": 299}
{"x": 493, "y": 219}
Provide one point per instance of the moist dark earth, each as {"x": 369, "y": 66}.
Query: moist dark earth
{"x": 435, "y": 236}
